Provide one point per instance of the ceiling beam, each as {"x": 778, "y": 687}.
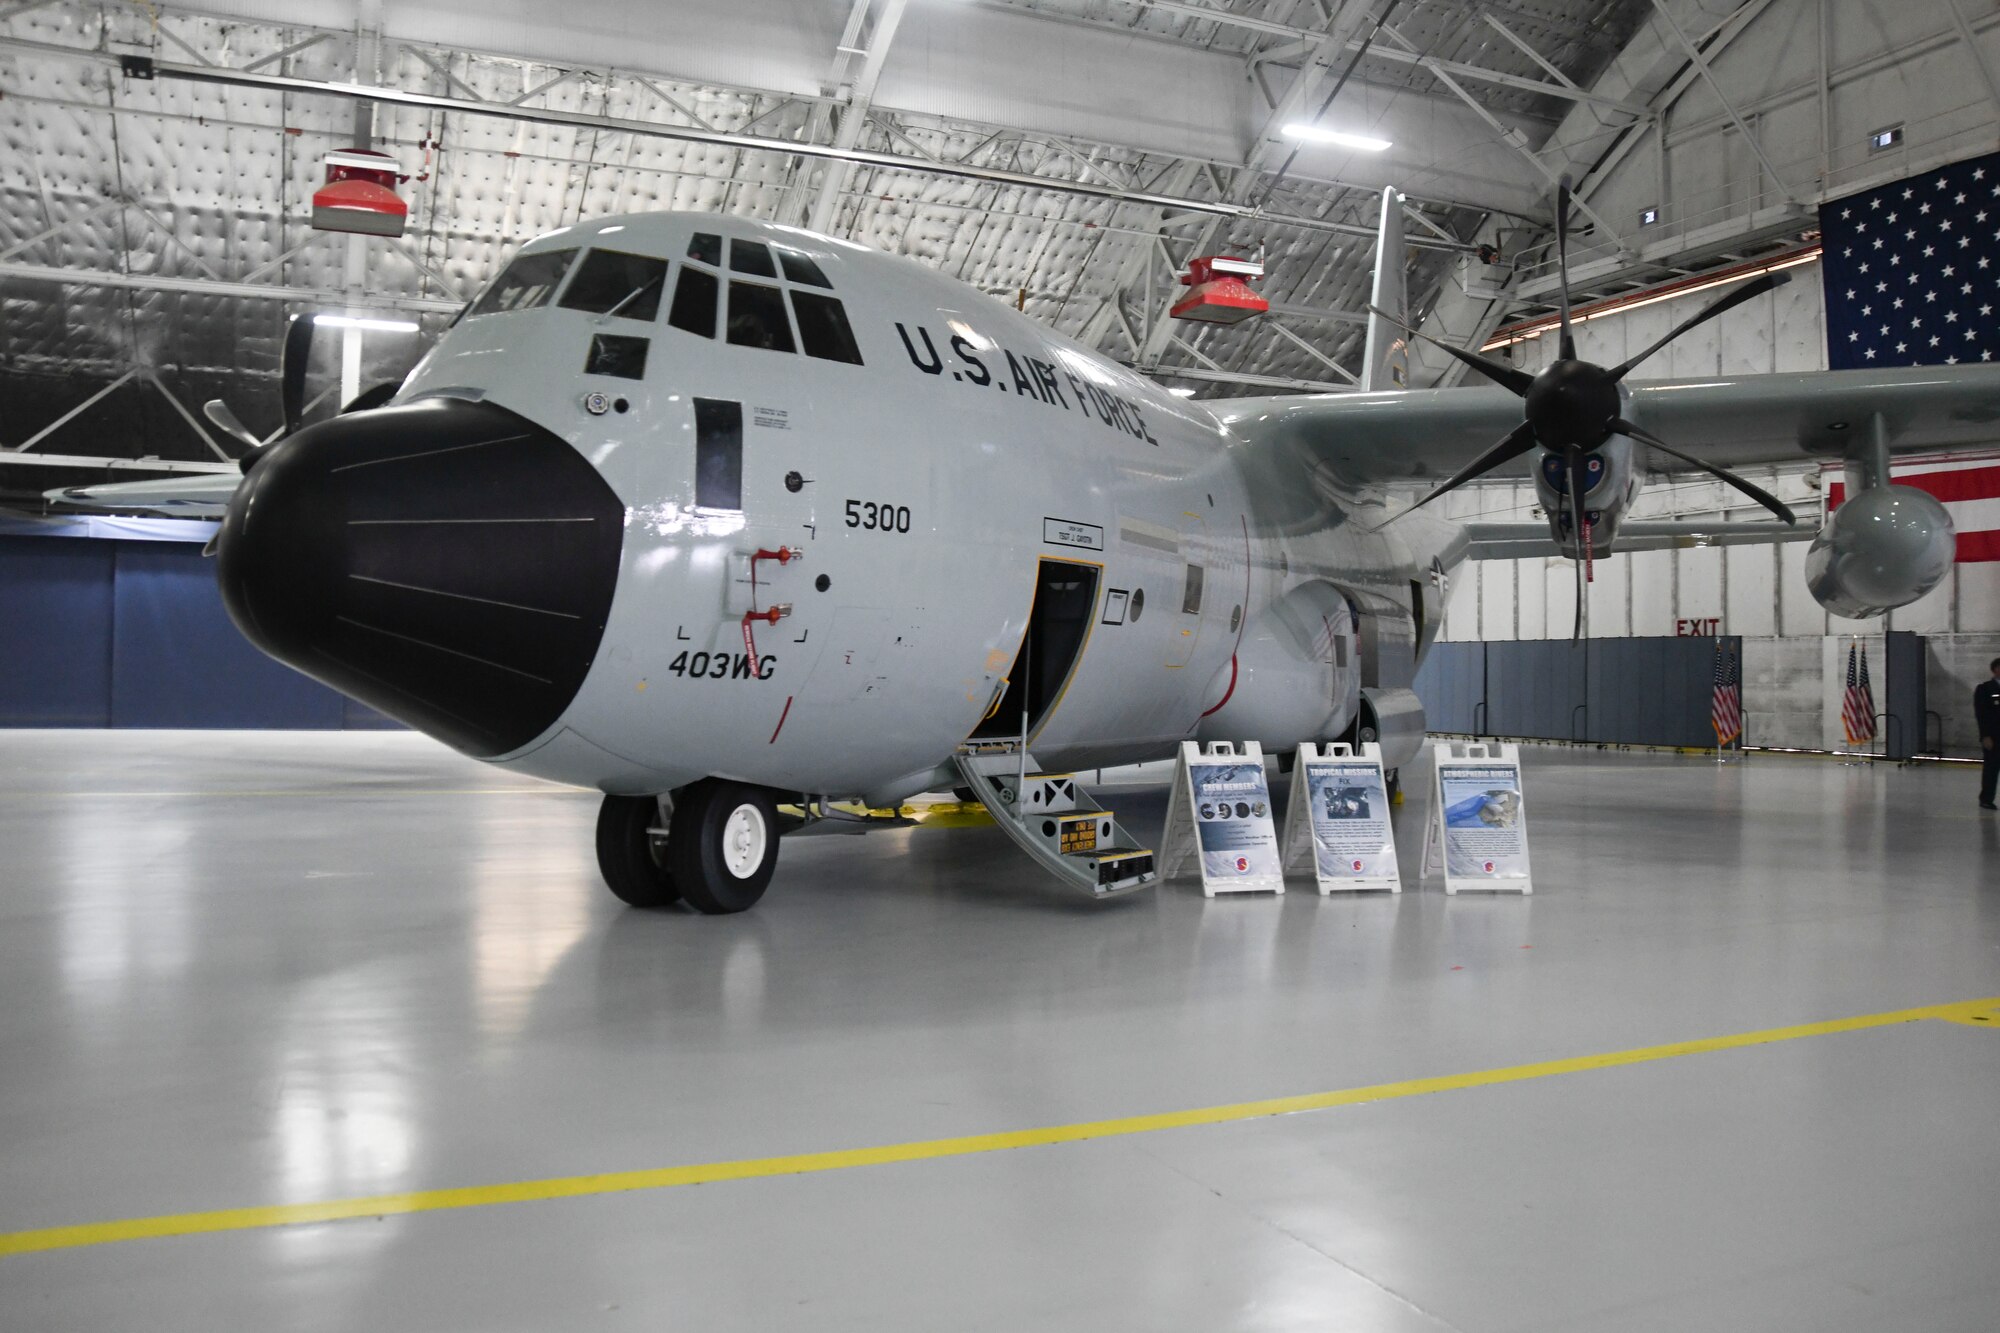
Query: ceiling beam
{"x": 656, "y": 129}
{"x": 255, "y": 291}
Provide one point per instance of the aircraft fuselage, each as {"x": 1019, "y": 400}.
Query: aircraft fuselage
{"x": 923, "y": 474}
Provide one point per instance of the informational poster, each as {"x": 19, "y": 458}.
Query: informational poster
{"x": 1479, "y": 829}
{"x": 1220, "y": 813}
{"x": 1340, "y": 811}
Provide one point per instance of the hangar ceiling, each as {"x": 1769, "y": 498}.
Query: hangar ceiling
{"x": 153, "y": 233}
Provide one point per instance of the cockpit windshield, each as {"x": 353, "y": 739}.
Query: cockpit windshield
{"x": 611, "y": 282}
{"x": 529, "y": 281}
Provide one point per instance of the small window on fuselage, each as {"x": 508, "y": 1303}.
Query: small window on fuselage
{"x": 528, "y": 282}
{"x": 757, "y": 317}
{"x": 611, "y": 282}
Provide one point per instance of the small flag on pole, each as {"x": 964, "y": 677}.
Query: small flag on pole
{"x": 1726, "y": 708}
{"x": 1857, "y": 705}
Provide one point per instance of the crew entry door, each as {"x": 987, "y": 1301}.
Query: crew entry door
{"x": 1059, "y": 622}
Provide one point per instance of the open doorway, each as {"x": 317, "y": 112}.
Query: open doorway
{"x": 1058, "y": 624}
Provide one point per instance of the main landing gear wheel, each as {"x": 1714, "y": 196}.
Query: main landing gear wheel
{"x": 631, "y": 857}
{"x": 723, "y": 845}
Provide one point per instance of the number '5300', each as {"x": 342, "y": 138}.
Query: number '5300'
{"x": 874, "y": 517}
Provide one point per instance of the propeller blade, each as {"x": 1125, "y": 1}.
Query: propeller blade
{"x": 1562, "y": 265}
{"x": 219, "y": 414}
{"x": 1518, "y": 442}
{"x": 1747, "y": 292}
{"x": 1513, "y": 380}
{"x": 372, "y": 397}
{"x": 1755, "y": 492}
{"x": 1578, "y": 480}
{"x": 292, "y": 370}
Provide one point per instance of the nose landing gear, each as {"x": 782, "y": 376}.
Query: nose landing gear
{"x": 720, "y": 848}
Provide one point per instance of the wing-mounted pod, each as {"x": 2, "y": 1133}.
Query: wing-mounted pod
{"x": 1885, "y": 546}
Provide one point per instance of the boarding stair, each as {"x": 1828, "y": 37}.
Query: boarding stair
{"x": 1051, "y": 818}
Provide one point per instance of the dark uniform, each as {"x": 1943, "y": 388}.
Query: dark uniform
{"x": 1986, "y": 708}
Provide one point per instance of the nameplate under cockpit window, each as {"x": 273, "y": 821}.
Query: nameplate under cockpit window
{"x": 529, "y": 281}
{"x": 611, "y": 282}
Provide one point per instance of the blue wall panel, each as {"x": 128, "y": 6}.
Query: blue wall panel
{"x": 55, "y": 632}
{"x": 1637, "y": 691}
{"x": 178, "y": 661}
{"x": 97, "y": 632}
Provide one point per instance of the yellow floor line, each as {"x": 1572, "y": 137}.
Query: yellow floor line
{"x": 1972, "y": 1012}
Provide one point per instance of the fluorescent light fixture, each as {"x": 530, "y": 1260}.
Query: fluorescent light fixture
{"x": 1245, "y": 268}
{"x": 1316, "y": 134}
{"x": 1810, "y": 255}
{"x": 356, "y": 322}
{"x": 1179, "y": 391}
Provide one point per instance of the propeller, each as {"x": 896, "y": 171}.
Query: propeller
{"x": 1573, "y": 406}
{"x": 292, "y": 365}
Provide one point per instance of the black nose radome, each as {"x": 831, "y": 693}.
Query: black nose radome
{"x": 449, "y": 563}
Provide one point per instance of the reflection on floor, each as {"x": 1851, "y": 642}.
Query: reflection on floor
{"x": 257, "y": 969}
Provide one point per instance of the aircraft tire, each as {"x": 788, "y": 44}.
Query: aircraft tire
{"x": 631, "y": 859}
{"x": 723, "y": 845}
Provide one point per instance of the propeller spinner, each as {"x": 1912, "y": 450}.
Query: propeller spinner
{"x": 1573, "y": 405}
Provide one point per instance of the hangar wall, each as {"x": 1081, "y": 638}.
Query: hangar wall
{"x": 134, "y": 634}
{"x": 1794, "y": 651}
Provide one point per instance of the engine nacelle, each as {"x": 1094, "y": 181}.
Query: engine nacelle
{"x": 1611, "y": 484}
{"x": 1883, "y": 548}
{"x": 1297, "y": 673}
{"x": 1393, "y": 719}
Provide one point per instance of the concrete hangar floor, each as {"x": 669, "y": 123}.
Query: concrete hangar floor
{"x": 248, "y": 979}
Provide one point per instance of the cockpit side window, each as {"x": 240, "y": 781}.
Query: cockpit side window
{"x": 757, "y": 317}
{"x": 752, "y": 257}
{"x": 802, "y": 269}
{"x": 823, "y": 328}
{"x": 529, "y": 281}
{"x": 696, "y": 300}
{"x": 759, "y": 313}
{"x": 611, "y": 282}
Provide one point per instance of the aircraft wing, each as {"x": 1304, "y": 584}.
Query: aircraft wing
{"x": 203, "y": 496}
{"x": 1731, "y": 421}
{"x": 1524, "y": 541}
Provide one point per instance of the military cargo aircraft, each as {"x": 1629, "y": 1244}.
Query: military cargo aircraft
{"x": 720, "y": 516}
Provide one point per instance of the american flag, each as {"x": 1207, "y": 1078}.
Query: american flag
{"x": 1912, "y": 270}
{"x": 1969, "y": 489}
{"x": 1857, "y": 705}
{"x": 1725, "y": 711}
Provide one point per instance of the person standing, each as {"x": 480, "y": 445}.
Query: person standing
{"x": 1986, "y": 709}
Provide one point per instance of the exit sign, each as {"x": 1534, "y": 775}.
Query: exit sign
{"x": 1697, "y": 629}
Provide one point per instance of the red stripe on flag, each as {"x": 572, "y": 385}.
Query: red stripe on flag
{"x": 1977, "y": 483}
{"x": 1977, "y": 546}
